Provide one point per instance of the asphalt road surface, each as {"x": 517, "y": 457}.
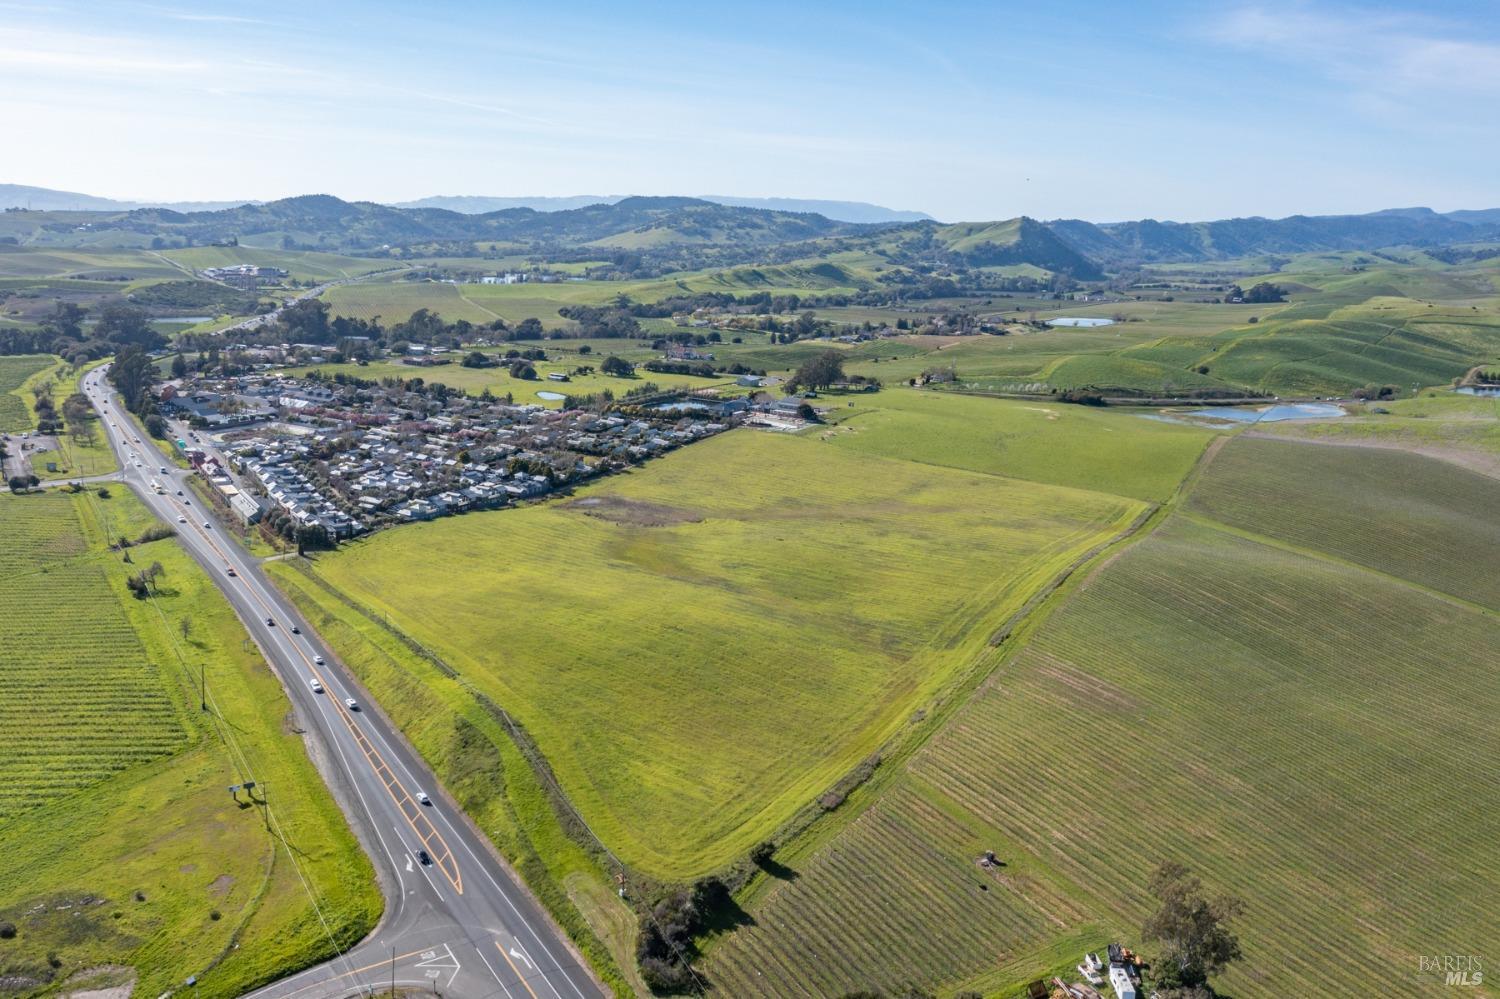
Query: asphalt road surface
{"x": 456, "y": 921}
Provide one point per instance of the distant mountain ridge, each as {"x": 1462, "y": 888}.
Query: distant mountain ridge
{"x": 45, "y": 199}
{"x": 48, "y": 200}
{"x": 1150, "y": 241}
{"x": 631, "y": 223}
{"x": 839, "y": 211}
{"x": 691, "y": 233}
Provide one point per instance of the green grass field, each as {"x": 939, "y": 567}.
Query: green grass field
{"x": 80, "y": 456}
{"x": 481, "y": 766}
{"x": 1437, "y": 422}
{"x": 302, "y": 265}
{"x": 16, "y": 372}
{"x": 83, "y": 264}
{"x": 499, "y": 380}
{"x": 124, "y": 854}
{"x": 1105, "y": 450}
{"x": 1327, "y": 340}
{"x": 1308, "y": 734}
{"x": 695, "y": 647}
{"x": 1401, "y": 514}
{"x": 394, "y": 301}
{"x": 73, "y": 659}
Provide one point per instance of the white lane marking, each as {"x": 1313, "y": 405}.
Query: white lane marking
{"x": 522, "y": 956}
{"x": 412, "y": 853}
{"x": 492, "y": 971}
{"x": 399, "y": 761}
{"x": 275, "y": 641}
{"x": 436, "y": 964}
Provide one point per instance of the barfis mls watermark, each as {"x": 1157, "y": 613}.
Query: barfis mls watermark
{"x": 1450, "y": 969}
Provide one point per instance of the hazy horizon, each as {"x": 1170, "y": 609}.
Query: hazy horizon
{"x": 966, "y": 112}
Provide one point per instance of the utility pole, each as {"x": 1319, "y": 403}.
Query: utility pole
{"x": 202, "y": 686}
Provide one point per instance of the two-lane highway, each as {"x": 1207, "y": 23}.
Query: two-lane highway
{"x": 456, "y": 920}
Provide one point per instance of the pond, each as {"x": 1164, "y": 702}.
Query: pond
{"x": 1488, "y": 391}
{"x": 1266, "y": 414}
{"x": 678, "y": 407}
{"x": 551, "y": 396}
{"x": 1077, "y": 321}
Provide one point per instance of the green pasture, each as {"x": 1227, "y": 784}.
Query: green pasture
{"x": 1308, "y": 734}
{"x": 1401, "y": 514}
{"x": 303, "y": 265}
{"x": 17, "y": 373}
{"x": 124, "y": 850}
{"x": 1110, "y": 451}
{"x": 56, "y": 262}
{"x": 500, "y": 381}
{"x": 703, "y": 646}
{"x": 1439, "y": 422}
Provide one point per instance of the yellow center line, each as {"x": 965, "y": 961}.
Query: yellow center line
{"x": 443, "y": 857}
{"x": 378, "y": 964}
{"x": 513, "y": 967}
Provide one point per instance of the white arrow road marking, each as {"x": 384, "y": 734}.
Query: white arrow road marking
{"x": 517, "y": 954}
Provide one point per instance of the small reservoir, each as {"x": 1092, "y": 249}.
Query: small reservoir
{"x": 551, "y": 396}
{"x": 1080, "y": 321}
{"x": 1265, "y": 414}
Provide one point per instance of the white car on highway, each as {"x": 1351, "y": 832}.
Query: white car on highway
{"x": 318, "y": 660}
{"x": 182, "y": 520}
{"x": 317, "y": 686}
{"x": 422, "y": 797}
{"x": 351, "y": 704}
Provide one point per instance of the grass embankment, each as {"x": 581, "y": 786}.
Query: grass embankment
{"x": 468, "y": 747}
{"x": 704, "y": 646}
{"x": 1311, "y": 735}
{"x": 123, "y": 847}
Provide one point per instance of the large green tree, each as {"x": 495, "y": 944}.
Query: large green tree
{"x": 1190, "y": 926}
{"x": 820, "y": 371}
{"x": 126, "y": 325}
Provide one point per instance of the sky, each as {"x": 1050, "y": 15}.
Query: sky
{"x": 968, "y": 111}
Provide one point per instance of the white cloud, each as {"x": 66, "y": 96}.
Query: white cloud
{"x": 1389, "y": 58}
